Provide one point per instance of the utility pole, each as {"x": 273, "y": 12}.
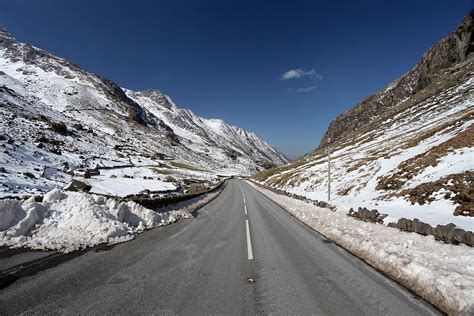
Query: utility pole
{"x": 329, "y": 169}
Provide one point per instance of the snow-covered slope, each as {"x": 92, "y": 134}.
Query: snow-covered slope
{"x": 54, "y": 116}
{"x": 202, "y": 135}
{"x": 415, "y": 161}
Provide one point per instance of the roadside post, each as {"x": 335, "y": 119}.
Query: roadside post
{"x": 329, "y": 169}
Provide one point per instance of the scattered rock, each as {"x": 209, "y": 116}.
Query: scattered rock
{"x": 77, "y": 126}
{"x": 322, "y": 204}
{"x": 3, "y": 170}
{"x": 170, "y": 179}
{"x": 86, "y": 174}
{"x": 367, "y": 215}
{"x": 58, "y": 127}
{"x": 144, "y": 192}
{"x": 77, "y": 186}
{"x": 56, "y": 151}
{"x": 29, "y": 175}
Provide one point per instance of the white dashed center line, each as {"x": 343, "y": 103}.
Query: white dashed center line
{"x": 249, "y": 241}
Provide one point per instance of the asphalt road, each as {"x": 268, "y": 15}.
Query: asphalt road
{"x": 203, "y": 266}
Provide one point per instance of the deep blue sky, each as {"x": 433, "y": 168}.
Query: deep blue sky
{"x": 225, "y": 59}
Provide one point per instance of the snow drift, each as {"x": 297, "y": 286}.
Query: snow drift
{"x": 72, "y": 221}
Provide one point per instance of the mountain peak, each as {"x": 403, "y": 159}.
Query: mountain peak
{"x": 445, "y": 54}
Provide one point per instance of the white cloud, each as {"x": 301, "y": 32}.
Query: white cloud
{"x": 307, "y": 89}
{"x": 298, "y": 73}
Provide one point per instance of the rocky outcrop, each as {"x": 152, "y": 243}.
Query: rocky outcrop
{"x": 450, "y": 51}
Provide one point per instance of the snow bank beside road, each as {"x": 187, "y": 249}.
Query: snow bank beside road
{"x": 442, "y": 274}
{"x": 72, "y": 221}
{"x": 124, "y": 186}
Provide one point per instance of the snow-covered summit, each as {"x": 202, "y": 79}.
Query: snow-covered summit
{"x": 202, "y": 134}
{"x": 56, "y": 115}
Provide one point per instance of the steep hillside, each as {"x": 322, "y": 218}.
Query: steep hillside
{"x": 430, "y": 70}
{"x": 55, "y": 118}
{"x": 413, "y": 152}
{"x": 202, "y": 134}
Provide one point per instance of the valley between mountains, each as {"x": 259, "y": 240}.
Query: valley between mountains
{"x": 87, "y": 165}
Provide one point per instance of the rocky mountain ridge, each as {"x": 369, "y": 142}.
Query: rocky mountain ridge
{"x": 450, "y": 51}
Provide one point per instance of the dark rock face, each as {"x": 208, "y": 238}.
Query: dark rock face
{"x": 233, "y": 154}
{"x": 59, "y": 127}
{"x": 135, "y": 112}
{"x": 452, "y": 50}
{"x": 157, "y": 96}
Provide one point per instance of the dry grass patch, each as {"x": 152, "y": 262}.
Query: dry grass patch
{"x": 162, "y": 171}
{"x": 459, "y": 188}
{"x": 444, "y": 128}
{"x": 408, "y": 169}
{"x": 186, "y": 166}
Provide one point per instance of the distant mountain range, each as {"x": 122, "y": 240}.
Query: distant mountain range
{"x": 54, "y": 114}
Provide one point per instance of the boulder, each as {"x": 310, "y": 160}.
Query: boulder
{"x": 86, "y": 173}
{"x": 421, "y": 228}
{"x": 455, "y": 231}
{"x": 468, "y": 239}
{"x": 29, "y": 175}
{"x": 457, "y": 235}
{"x": 404, "y": 224}
{"x": 170, "y": 179}
{"x": 351, "y": 212}
{"x": 322, "y": 204}
{"x": 393, "y": 225}
{"x": 441, "y": 231}
{"x": 77, "y": 186}
{"x": 58, "y": 127}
